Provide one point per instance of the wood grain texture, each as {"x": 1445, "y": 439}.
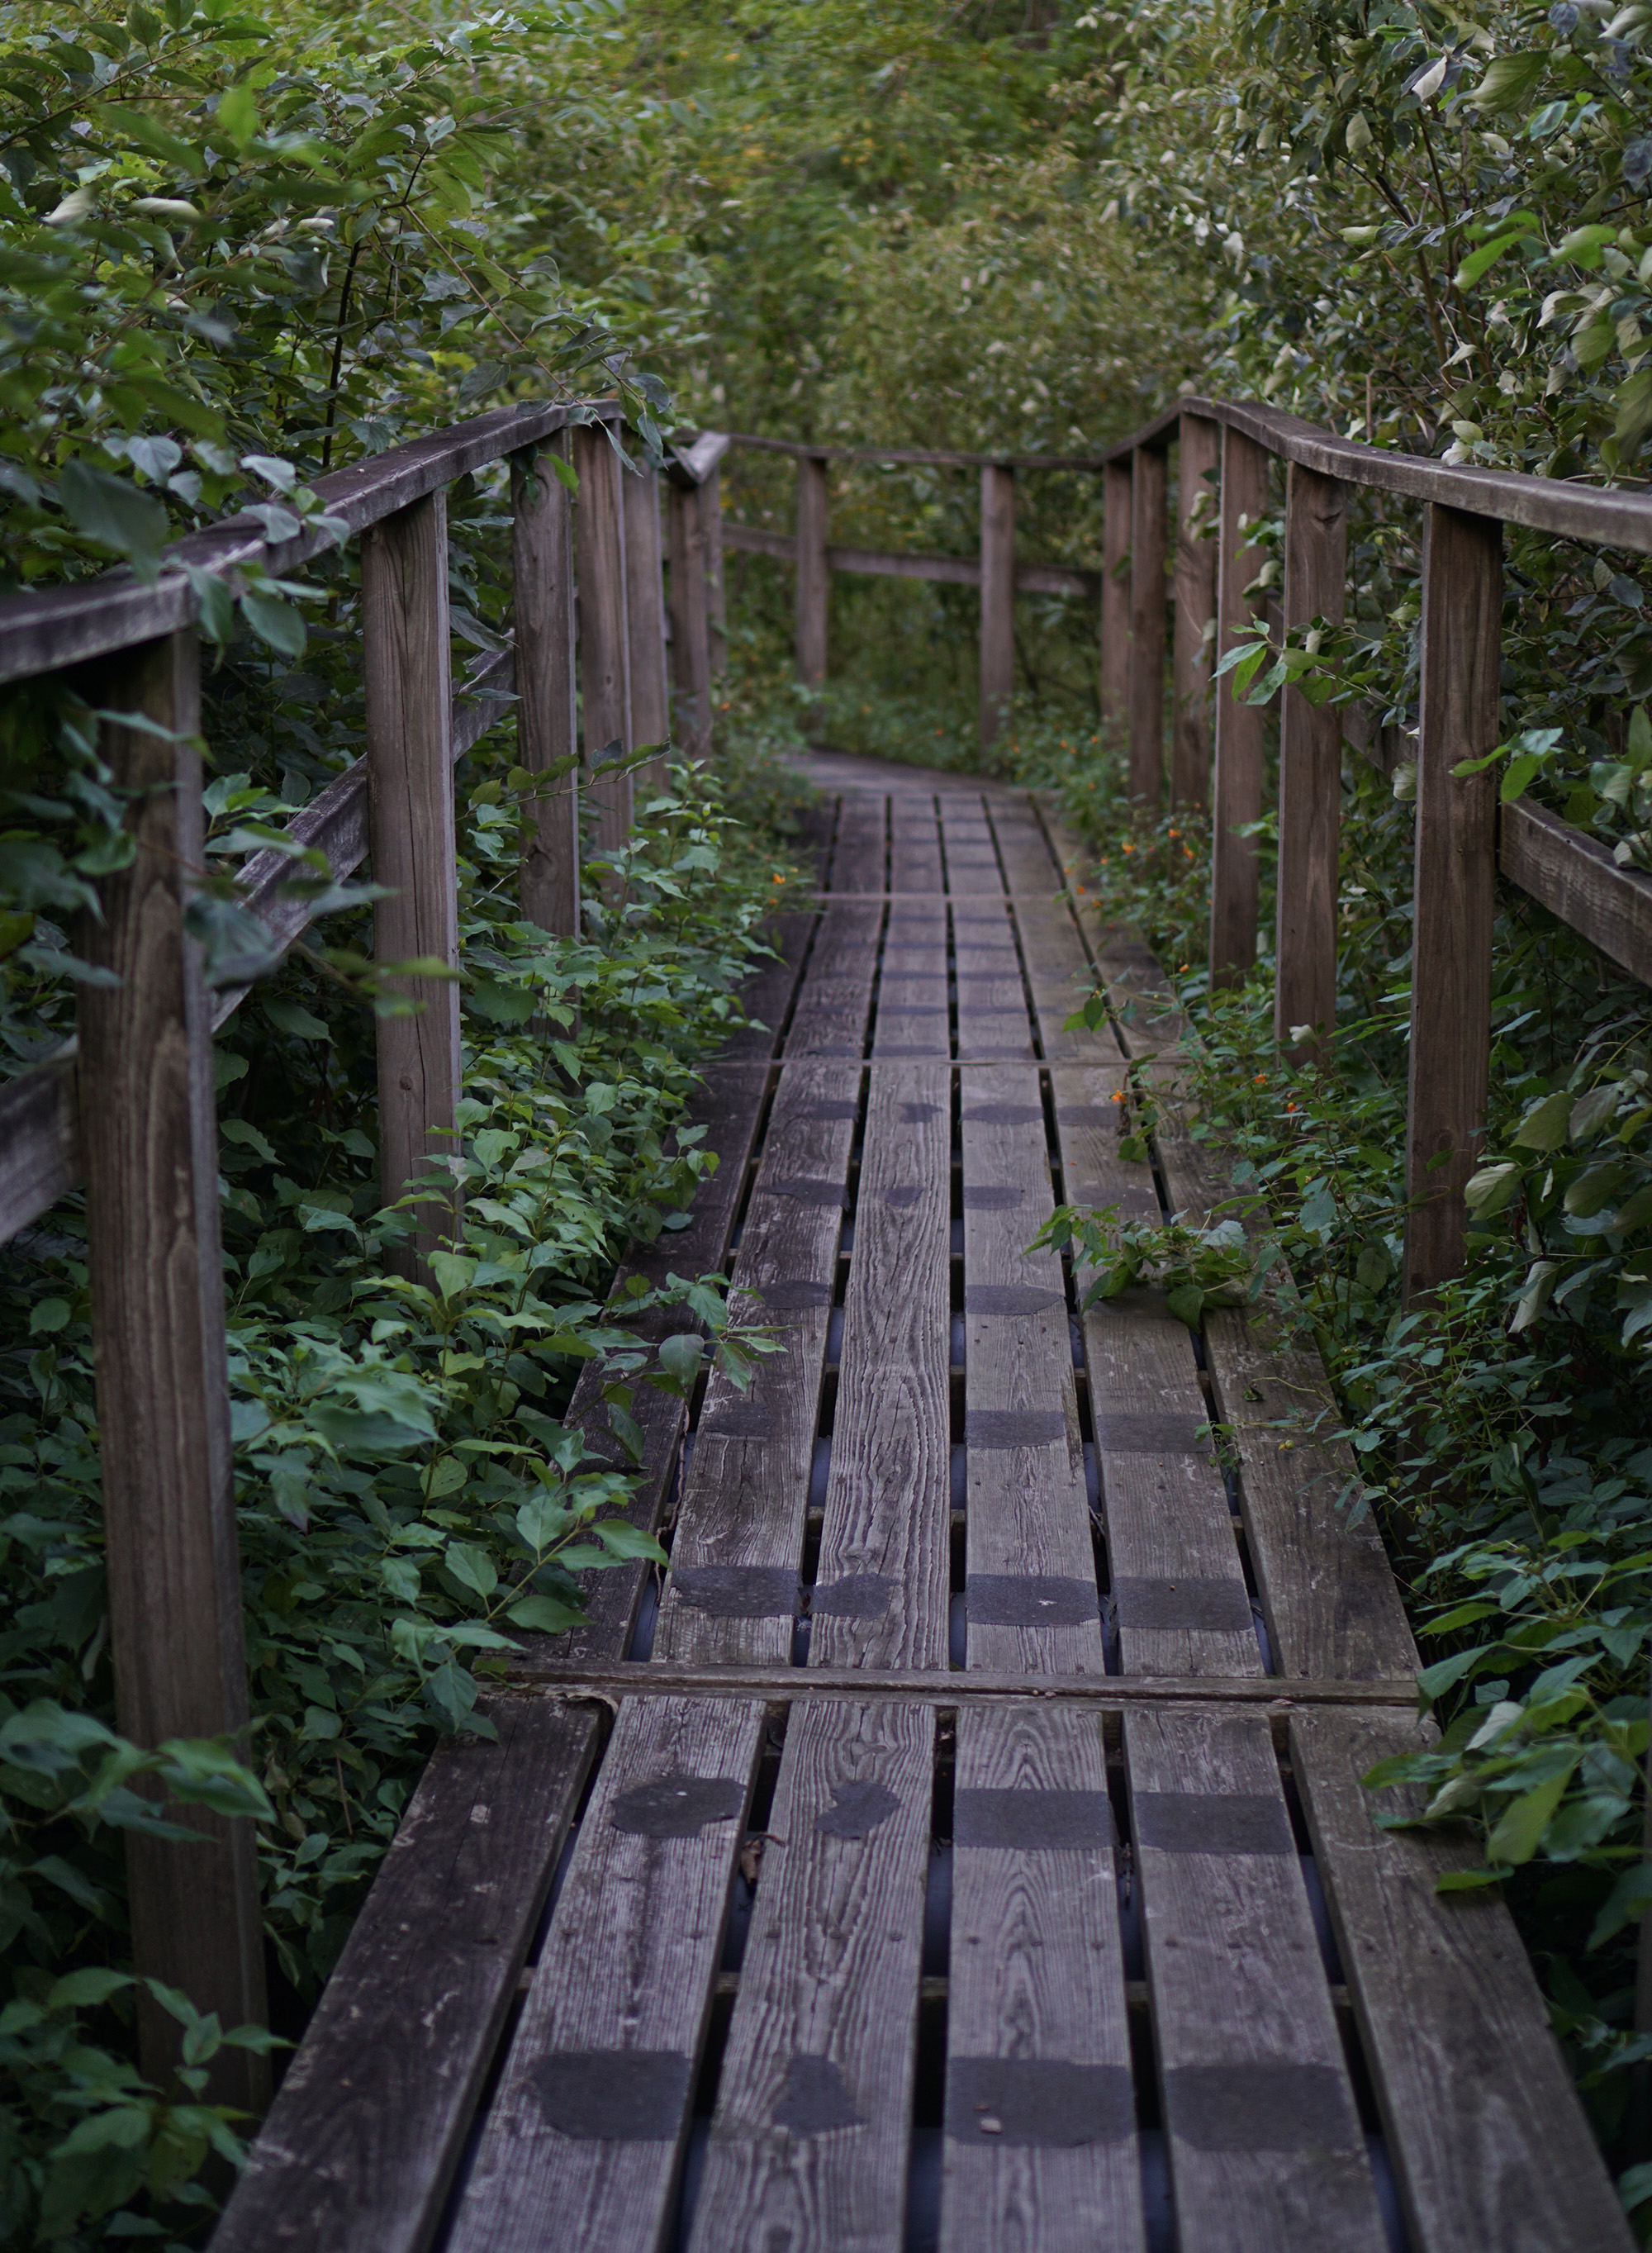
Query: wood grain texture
{"x": 914, "y": 1013}
{"x": 971, "y": 858}
{"x": 1310, "y": 775}
{"x": 1149, "y": 499}
{"x": 1027, "y": 1511}
{"x": 1036, "y": 1978}
{"x": 409, "y": 696}
{"x": 645, "y": 622}
{"x": 992, "y": 1023}
{"x": 814, "y": 592}
{"x": 746, "y": 1489}
{"x": 1115, "y": 599}
{"x": 881, "y": 1594}
{"x": 621, "y": 1996}
{"x": 363, "y": 2139}
{"x": 833, "y": 1006}
{"x": 1487, "y": 2141}
{"x": 808, "y": 2147}
{"x": 546, "y": 714}
{"x": 1237, "y": 781}
{"x": 1194, "y": 595}
{"x": 1266, "y": 2154}
{"x": 1059, "y": 974}
{"x": 1576, "y": 878}
{"x": 605, "y": 638}
{"x": 149, "y": 1133}
{"x": 690, "y": 626}
{"x": 1455, "y": 889}
{"x": 915, "y": 848}
{"x": 998, "y": 601}
{"x": 39, "y": 1140}
{"x": 717, "y": 593}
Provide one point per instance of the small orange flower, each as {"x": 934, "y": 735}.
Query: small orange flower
{"x": 1289, "y": 1106}
{"x": 1261, "y": 1079}
{"x": 1117, "y": 1096}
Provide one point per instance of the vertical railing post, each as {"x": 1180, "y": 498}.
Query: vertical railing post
{"x": 1454, "y": 889}
{"x": 1236, "y": 785}
{"x": 546, "y": 713}
{"x": 998, "y": 598}
{"x": 149, "y": 1141}
{"x": 409, "y": 696}
{"x": 690, "y": 630}
{"x": 645, "y": 621}
{"x": 710, "y": 502}
{"x": 1115, "y": 598}
{"x": 812, "y": 578}
{"x": 1196, "y": 600}
{"x": 604, "y": 657}
{"x": 1149, "y": 484}
{"x": 1310, "y": 774}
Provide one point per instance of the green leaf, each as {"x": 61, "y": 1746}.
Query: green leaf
{"x": 115, "y": 514}
{"x": 1519, "y": 1833}
{"x": 49, "y": 1316}
{"x": 1446, "y": 1671}
{"x": 274, "y": 621}
{"x": 1186, "y": 1303}
{"x": 473, "y": 1568}
{"x": 1508, "y": 80}
{"x": 83, "y": 1990}
{"x": 1543, "y": 1126}
{"x": 623, "y": 1540}
{"x": 292, "y": 1017}
{"x": 454, "y": 1273}
{"x": 545, "y": 1614}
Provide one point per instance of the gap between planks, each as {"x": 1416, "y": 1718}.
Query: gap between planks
{"x": 657, "y": 1677}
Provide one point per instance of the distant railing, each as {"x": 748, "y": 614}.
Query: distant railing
{"x": 129, "y": 1106}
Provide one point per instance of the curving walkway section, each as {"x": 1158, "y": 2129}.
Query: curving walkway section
{"x": 963, "y": 1847}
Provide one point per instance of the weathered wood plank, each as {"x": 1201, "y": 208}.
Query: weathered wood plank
{"x": 1576, "y": 878}
{"x": 971, "y": 859}
{"x": 148, "y": 1130}
{"x": 880, "y": 1592}
{"x": 605, "y": 640}
{"x": 914, "y": 1014}
{"x": 1236, "y": 784}
{"x": 814, "y": 588}
{"x": 716, "y": 594}
{"x": 1195, "y": 606}
{"x": 1115, "y": 600}
{"x": 409, "y": 697}
{"x": 546, "y": 714}
{"x": 887, "y": 563}
{"x": 1041, "y": 2141}
{"x": 992, "y": 1023}
{"x": 1032, "y": 1595}
{"x": 690, "y": 624}
{"x": 363, "y": 2139}
{"x": 1266, "y": 2152}
{"x": 830, "y": 1018}
{"x": 915, "y": 848}
{"x": 1486, "y": 2137}
{"x": 582, "y": 2141}
{"x": 1310, "y": 776}
{"x": 646, "y": 622}
{"x": 1149, "y": 496}
{"x": 808, "y": 2146}
{"x": 1454, "y": 889}
{"x": 736, "y": 1557}
{"x": 998, "y": 601}
{"x": 943, "y": 1686}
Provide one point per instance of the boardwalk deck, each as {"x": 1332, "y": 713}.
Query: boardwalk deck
{"x": 972, "y": 1854}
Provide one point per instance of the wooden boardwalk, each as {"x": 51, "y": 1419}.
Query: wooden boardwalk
{"x": 963, "y": 1847}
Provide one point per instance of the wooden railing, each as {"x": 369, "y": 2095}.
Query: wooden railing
{"x": 1463, "y": 837}
{"x": 129, "y": 1106}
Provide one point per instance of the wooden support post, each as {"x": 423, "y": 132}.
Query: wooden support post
{"x": 148, "y": 1139}
{"x": 1149, "y": 484}
{"x": 1196, "y": 599}
{"x": 1310, "y": 775}
{"x": 546, "y": 713}
{"x": 1455, "y": 886}
{"x": 690, "y": 630}
{"x": 1115, "y": 600}
{"x": 1237, "y": 789}
{"x": 998, "y": 598}
{"x": 409, "y": 697}
{"x": 710, "y": 498}
{"x": 604, "y": 657}
{"x": 813, "y": 579}
{"x": 645, "y": 622}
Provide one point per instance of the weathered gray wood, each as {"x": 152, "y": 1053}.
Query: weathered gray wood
{"x": 914, "y": 1013}
{"x": 813, "y": 446}
{"x": 808, "y": 2146}
{"x": 546, "y": 714}
{"x": 1195, "y": 606}
{"x": 362, "y": 2141}
{"x": 1035, "y": 2003}
{"x": 813, "y": 580}
{"x": 690, "y": 628}
{"x": 149, "y": 1133}
{"x": 1486, "y": 2137}
{"x": 1576, "y": 878}
{"x": 604, "y": 641}
{"x": 881, "y": 1594}
{"x": 1266, "y": 2152}
{"x": 406, "y": 668}
{"x": 915, "y": 848}
{"x": 693, "y": 464}
{"x": 581, "y": 2142}
{"x": 998, "y": 601}
{"x": 830, "y": 1018}
{"x": 1236, "y": 788}
{"x": 645, "y": 622}
{"x": 972, "y": 872}
{"x": 884, "y": 563}
{"x": 1115, "y": 601}
{"x": 1032, "y": 1595}
{"x": 993, "y": 1023}
{"x": 1148, "y": 484}
{"x": 39, "y": 1140}
{"x": 941, "y": 1686}
{"x": 1455, "y": 889}
{"x": 716, "y": 597}
{"x": 737, "y": 1557}
{"x": 1310, "y": 776}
